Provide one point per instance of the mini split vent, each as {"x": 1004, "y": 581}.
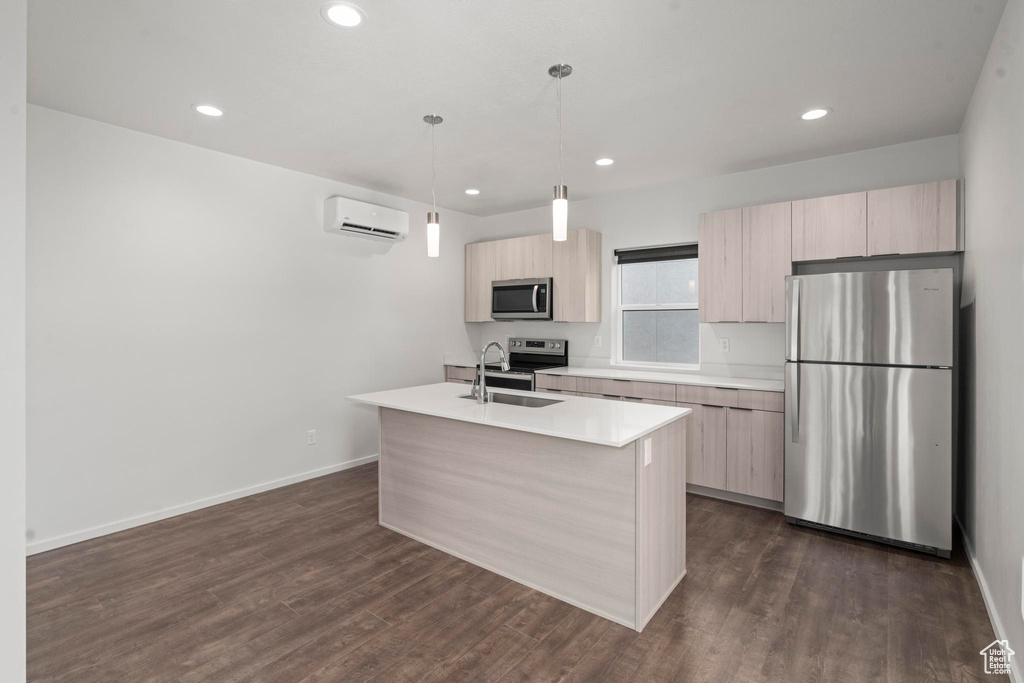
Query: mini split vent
{"x": 358, "y": 219}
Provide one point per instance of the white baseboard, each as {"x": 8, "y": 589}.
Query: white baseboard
{"x": 1015, "y": 671}
{"x": 45, "y": 544}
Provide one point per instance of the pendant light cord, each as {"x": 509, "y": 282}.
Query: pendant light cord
{"x": 433, "y": 171}
{"x": 559, "y": 89}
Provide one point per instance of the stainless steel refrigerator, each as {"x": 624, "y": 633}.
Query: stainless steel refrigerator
{"x": 869, "y": 404}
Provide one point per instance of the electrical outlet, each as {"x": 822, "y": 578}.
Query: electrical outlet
{"x": 723, "y": 345}
{"x": 597, "y": 341}
{"x": 311, "y": 437}
{"x": 647, "y": 451}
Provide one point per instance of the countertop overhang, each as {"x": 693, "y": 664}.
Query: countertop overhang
{"x": 599, "y": 421}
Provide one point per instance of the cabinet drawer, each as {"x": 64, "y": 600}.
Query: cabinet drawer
{"x": 557, "y": 391}
{"x": 651, "y": 401}
{"x": 760, "y": 400}
{"x": 708, "y": 396}
{"x": 458, "y": 373}
{"x": 604, "y": 396}
{"x": 559, "y": 382}
{"x": 627, "y": 388}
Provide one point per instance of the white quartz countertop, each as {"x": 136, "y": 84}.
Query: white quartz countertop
{"x": 671, "y": 378}
{"x": 610, "y": 423}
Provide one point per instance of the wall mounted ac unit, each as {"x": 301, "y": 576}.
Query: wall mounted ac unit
{"x": 358, "y": 219}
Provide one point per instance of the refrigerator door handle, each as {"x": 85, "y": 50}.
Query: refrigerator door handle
{"x": 793, "y": 394}
{"x": 793, "y": 324}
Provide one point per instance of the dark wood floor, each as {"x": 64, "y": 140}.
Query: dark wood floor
{"x": 300, "y": 584}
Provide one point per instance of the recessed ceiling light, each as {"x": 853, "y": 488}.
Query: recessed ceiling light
{"x": 472, "y": 191}
{"x": 342, "y": 14}
{"x": 208, "y": 109}
{"x": 815, "y": 114}
{"x": 605, "y": 162}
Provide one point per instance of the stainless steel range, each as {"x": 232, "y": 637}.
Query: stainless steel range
{"x": 525, "y": 357}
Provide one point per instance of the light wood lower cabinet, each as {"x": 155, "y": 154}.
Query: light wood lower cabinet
{"x": 459, "y": 374}
{"x": 562, "y": 392}
{"x": 706, "y": 446}
{"x": 560, "y": 382}
{"x": 608, "y": 397}
{"x": 627, "y": 388}
{"x": 755, "y": 458}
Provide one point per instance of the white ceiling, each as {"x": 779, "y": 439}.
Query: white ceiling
{"x": 670, "y": 88}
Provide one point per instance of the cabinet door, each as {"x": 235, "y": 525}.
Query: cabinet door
{"x": 913, "y": 219}
{"x": 480, "y": 272}
{"x": 576, "y": 269}
{"x": 706, "y": 446}
{"x": 756, "y": 461}
{"x": 830, "y": 227}
{"x": 720, "y": 266}
{"x": 509, "y": 260}
{"x": 537, "y": 255}
{"x": 767, "y": 260}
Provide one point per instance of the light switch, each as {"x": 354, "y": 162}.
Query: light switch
{"x": 647, "y": 451}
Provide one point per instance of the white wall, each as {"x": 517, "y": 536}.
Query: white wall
{"x": 189, "y": 320}
{"x": 667, "y": 215}
{"x": 992, "y": 153}
{"x": 12, "y": 338}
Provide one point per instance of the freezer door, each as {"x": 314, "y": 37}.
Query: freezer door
{"x": 869, "y": 449}
{"x": 894, "y": 317}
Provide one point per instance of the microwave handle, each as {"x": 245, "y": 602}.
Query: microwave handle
{"x": 535, "y": 289}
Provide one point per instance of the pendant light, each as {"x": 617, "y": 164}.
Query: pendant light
{"x": 560, "y": 201}
{"x": 433, "y": 220}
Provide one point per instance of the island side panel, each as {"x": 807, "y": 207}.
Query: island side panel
{"x": 555, "y": 514}
{"x": 661, "y": 516}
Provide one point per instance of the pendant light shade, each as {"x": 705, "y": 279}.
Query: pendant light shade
{"x": 433, "y": 218}
{"x": 560, "y": 214}
{"x": 560, "y": 201}
{"x": 433, "y": 234}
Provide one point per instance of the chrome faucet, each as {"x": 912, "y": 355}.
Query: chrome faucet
{"x": 481, "y": 387}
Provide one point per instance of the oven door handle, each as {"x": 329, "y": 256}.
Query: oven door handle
{"x": 508, "y": 375}
{"x": 535, "y": 289}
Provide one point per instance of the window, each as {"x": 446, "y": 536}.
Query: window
{"x": 656, "y": 306}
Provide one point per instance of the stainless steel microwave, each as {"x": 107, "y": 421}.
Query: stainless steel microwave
{"x": 526, "y": 299}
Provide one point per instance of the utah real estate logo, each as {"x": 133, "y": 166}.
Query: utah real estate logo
{"x": 997, "y": 657}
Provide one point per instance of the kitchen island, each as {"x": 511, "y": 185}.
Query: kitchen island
{"x": 582, "y": 499}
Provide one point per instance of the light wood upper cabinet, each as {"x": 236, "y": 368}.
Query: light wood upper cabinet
{"x": 767, "y": 260}
{"x": 756, "y": 453}
{"x": 830, "y": 227}
{"x": 720, "y": 266}
{"x": 537, "y": 254}
{"x": 913, "y": 219}
{"x": 574, "y": 265}
{"x": 576, "y": 269}
{"x": 481, "y": 270}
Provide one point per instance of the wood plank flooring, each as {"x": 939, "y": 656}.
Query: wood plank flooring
{"x": 301, "y": 584}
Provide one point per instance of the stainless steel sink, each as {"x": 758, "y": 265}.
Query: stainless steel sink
{"x": 518, "y": 400}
